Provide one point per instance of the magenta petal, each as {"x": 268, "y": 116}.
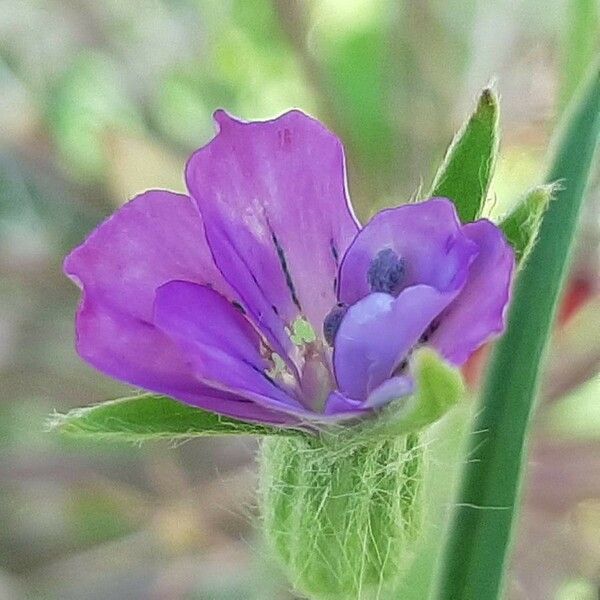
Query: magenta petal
{"x": 135, "y": 352}
{"x": 377, "y": 333}
{"x": 479, "y": 311}
{"x": 273, "y": 198}
{"x": 219, "y": 343}
{"x": 156, "y": 237}
{"x": 427, "y": 236}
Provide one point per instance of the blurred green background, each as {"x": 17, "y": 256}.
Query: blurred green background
{"x": 102, "y": 99}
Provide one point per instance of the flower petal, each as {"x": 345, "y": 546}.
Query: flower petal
{"x": 156, "y": 237}
{"x": 427, "y": 236}
{"x": 219, "y": 343}
{"x": 390, "y": 390}
{"x": 135, "y": 352}
{"x": 273, "y": 198}
{"x": 338, "y": 405}
{"x": 479, "y": 311}
{"x": 377, "y": 333}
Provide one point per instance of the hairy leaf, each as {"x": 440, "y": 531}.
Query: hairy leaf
{"x": 151, "y": 417}
{"x": 468, "y": 167}
{"x": 522, "y": 225}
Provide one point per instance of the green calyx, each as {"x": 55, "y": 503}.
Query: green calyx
{"x": 521, "y": 227}
{"x": 341, "y": 503}
{"x": 342, "y": 519}
{"x": 342, "y": 509}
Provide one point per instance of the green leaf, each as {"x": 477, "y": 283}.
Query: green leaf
{"x": 151, "y": 417}
{"x": 468, "y": 166}
{"x": 438, "y": 387}
{"x": 522, "y": 225}
{"x": 475, "y": 557}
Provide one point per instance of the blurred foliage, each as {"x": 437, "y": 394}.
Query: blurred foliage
{"x": 99, "y": 100}
{"x": 580, "y": 44}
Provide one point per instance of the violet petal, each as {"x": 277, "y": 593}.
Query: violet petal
{"x": 390, "y": 390}
{"x": 426, "y": 236}
{"x": 220, "y": 345}
{"x": 338, "y": 405}
{"x": 156, "y": 237}
{"x": 377, "y": 334}
{"x": 273, "y": 198}
{"x": 479, "y": 311}
{"x": 134, "y": 351}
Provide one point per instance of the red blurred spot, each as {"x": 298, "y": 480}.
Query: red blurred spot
{"x": 579, "y": 291}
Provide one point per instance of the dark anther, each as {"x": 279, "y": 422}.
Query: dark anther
{"x": 386, "y": 272}
{"x": 332, "y": 322}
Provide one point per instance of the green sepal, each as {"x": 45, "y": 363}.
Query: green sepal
{"x": 438, "y": 387}
{"x": 344, "y": 520}
{"x": 152, "y": 417}
{"x": 342, "y": 511}
{"x": 522, "y": 225}
{"x": 468, "y": 166}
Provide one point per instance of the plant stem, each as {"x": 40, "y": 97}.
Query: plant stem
{"x": 480, "y": 537}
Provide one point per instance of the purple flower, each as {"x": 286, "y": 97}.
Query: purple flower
{"x": 259, "y": 295}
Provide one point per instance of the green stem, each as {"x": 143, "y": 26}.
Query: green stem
{"x": 480, "y": 537}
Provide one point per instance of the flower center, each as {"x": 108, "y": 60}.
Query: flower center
{"x": 313, "y": 381}
{"x": 386, "y": 272}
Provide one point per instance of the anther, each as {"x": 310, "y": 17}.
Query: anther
{"x": 332, "y": 322}
{"x": 386, "y": 272}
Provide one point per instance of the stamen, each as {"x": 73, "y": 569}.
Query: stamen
{"x": 278, "y": 371}
{"x": 332, "y": 322}
{"x": 386, "y": 272}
